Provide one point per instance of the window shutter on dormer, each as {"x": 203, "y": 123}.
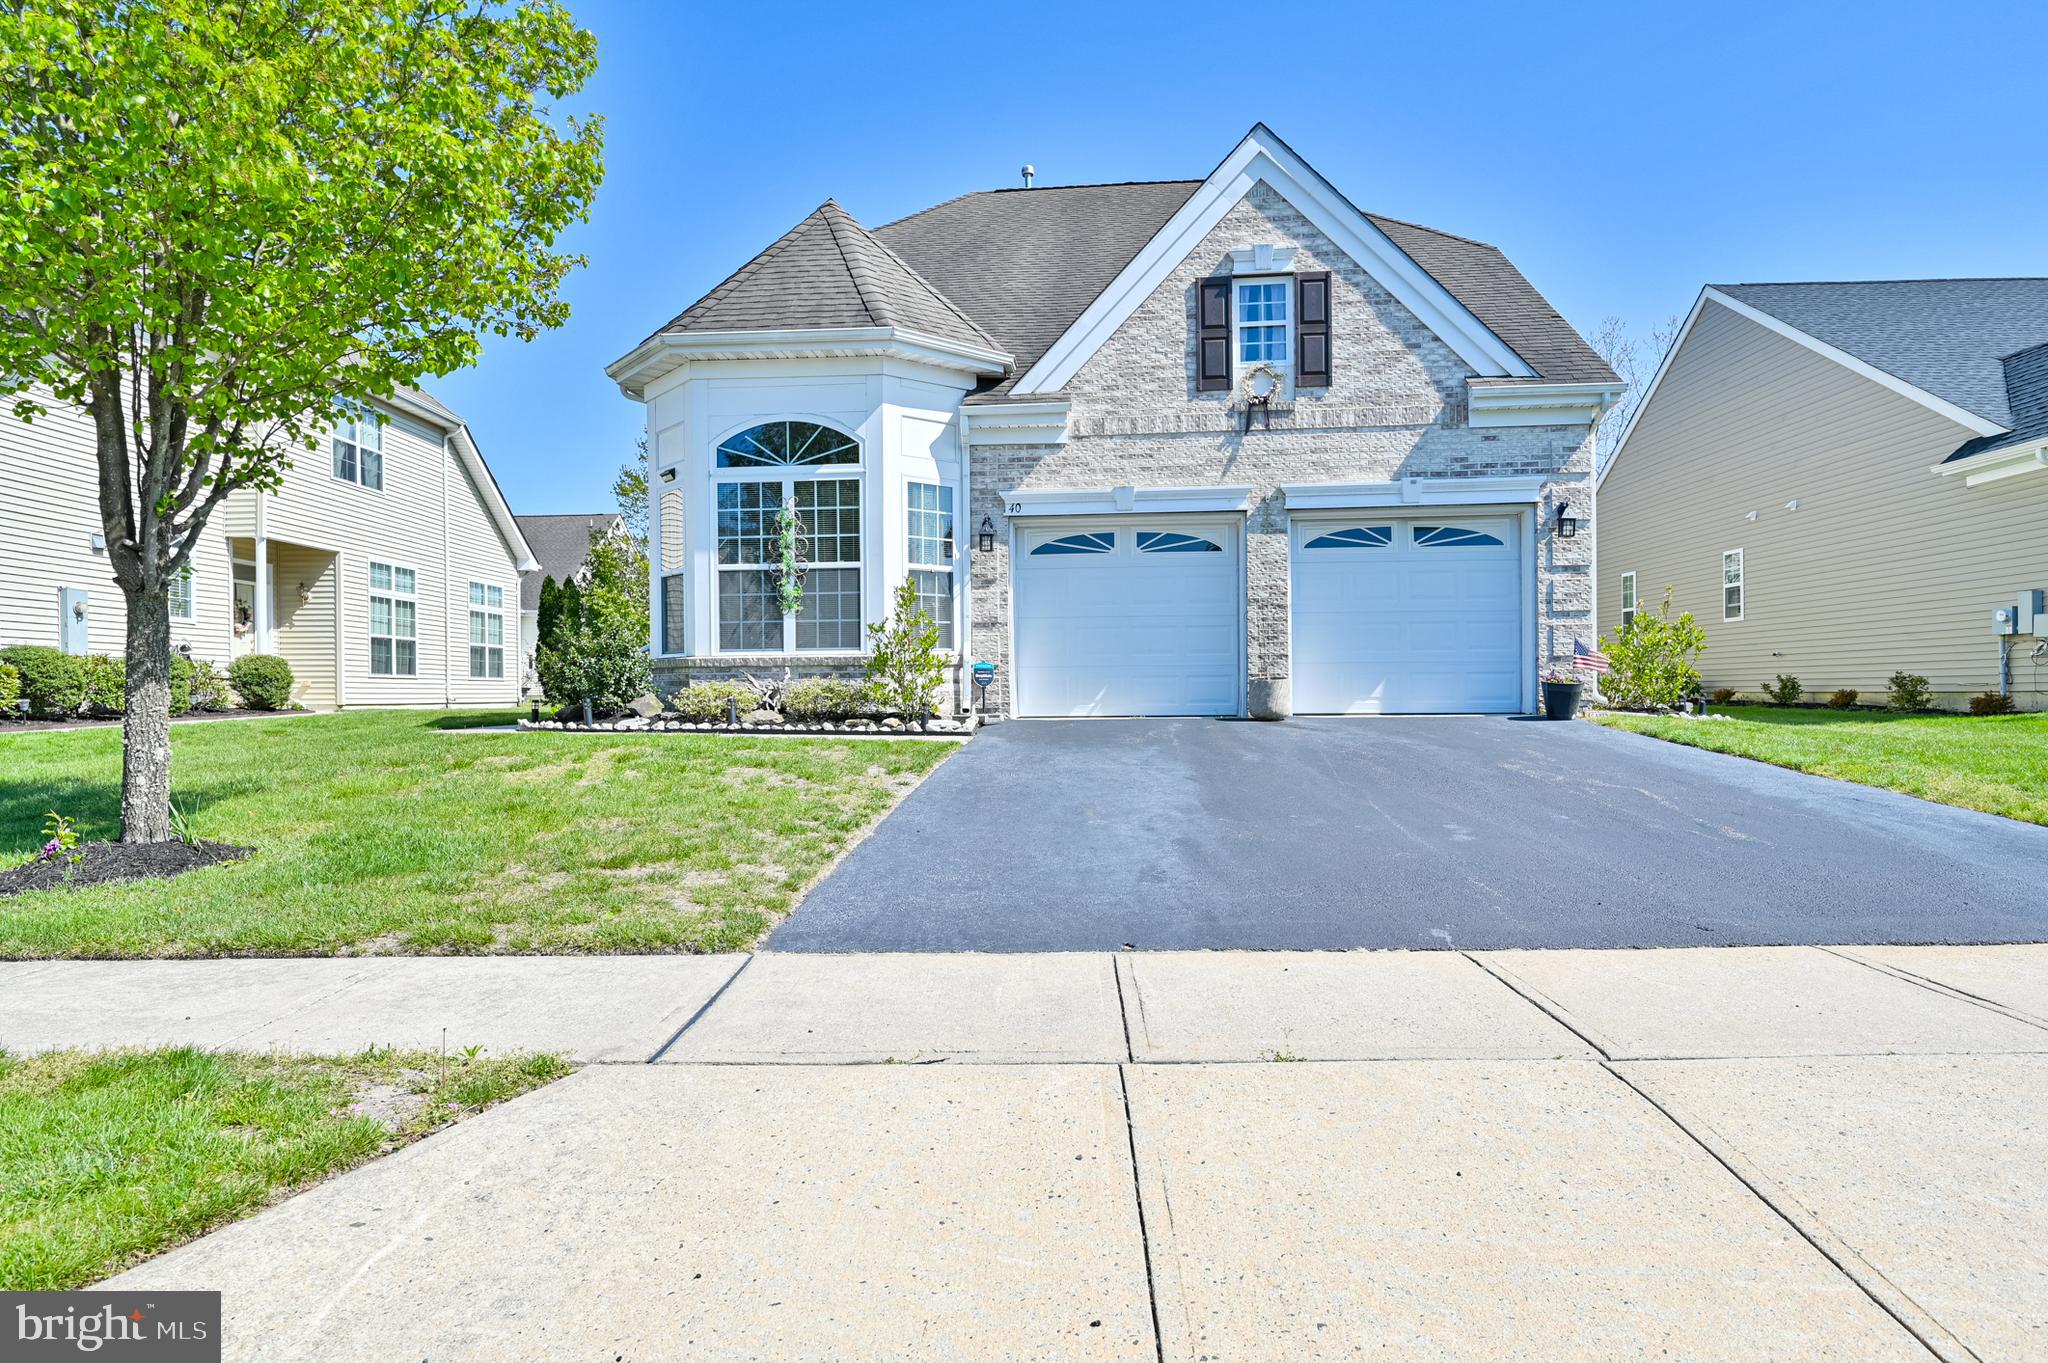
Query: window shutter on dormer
{"x": 1212, "y": 335}
{"x": 1312, "y": 329}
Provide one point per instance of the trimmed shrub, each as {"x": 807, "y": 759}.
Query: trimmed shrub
{"x": 106, "y": 683}
{"x": 1784, "y": 689}
{"x": 263, "y": 681}
{"x": 207, "y": 687}
{"x": 1723, "y": 694}
{"x": 1909, "y": 691}
{"x": 51, "y": 680}
{"x": 1991, "y": 703}
{"x": 705, "y": 702}
{"x": 1844, "y": 698}
{"x": 824, "y": 700}
{"x": 1654, "y": 662}
{"x": 10, "y": 689}
{"x": 181, "y": 684}
{"x": 905, "y": 669}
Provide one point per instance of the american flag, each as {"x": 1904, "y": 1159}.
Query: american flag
{"x": 1587, "y": 658}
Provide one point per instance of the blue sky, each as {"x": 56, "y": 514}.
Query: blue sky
{"x": 1620, "y": 155}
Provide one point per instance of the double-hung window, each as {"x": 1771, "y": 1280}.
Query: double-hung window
{"x": 1731, "y": 585}
{"x": 359, "y": 447}
{"x": 181, "y": 594}
{"x": 766, "y": 474}
{"x": 486, "y": 630}
{"x": 394, "y": 621}
{"x": 1628, "y": 601}
{"x": 1262, "y": 314}
{"x": 930, "y": 507}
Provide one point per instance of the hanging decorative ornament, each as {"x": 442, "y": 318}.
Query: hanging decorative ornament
{"x": 1260, "y": 384}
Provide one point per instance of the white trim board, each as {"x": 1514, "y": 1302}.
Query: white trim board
{"x": 1969, "y": 420}
{"x": 1124, "y": 501}
{"x": 1996, "y": 465}
{"x": 1262, "y": 158}
{"x": 1415, "y": 492}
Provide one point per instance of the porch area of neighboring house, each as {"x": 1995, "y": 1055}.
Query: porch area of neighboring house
{"x": 287, "y": 602}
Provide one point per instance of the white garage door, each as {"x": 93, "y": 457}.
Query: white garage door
{"x": 1407, "y": 617}
{"x": 1127, "y": 617}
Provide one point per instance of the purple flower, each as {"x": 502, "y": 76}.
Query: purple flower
{"x": 50, "y": 849}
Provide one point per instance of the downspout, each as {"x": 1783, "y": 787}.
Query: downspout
{"x": 447, "y": 585}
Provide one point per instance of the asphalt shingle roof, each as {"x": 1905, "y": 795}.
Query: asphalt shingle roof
{"x": 1026, "y": 263}
{"x": 1949, "y": 337}
{"x": 2026, "y": 392}
{"x": 828, "y": 271}
{"x": 559, "y": 544}
{"x": 1014, "y": 269}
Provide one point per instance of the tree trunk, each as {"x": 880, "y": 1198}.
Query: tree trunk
{"x": 146, "y": 727}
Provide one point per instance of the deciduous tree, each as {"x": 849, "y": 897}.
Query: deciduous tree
{"x": 221, "y": 218}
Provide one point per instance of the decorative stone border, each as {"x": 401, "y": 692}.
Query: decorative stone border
{"x": 884, "y": 728}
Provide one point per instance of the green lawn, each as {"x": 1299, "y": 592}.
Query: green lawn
{"x": 108, "y": 1158}
{"x": 393, "y": 831}
{"x": 1998, "y": 764}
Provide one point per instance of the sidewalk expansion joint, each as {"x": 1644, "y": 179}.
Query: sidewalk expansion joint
{"x": 1762, "y": 1194}
{"x": 1540, "y": 1004}
{"x": 704, "y": 1008}
{"x": 1899, "y": 972}
{"x": 1123, "y": 1012}
{"x": 1138, "y": 1199}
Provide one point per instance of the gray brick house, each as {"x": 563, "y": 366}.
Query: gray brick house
{"x": 1224, "y": 446}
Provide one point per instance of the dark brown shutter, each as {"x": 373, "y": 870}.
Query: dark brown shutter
{"x": 1212, "y": 335}
{"x": 1312, "y": 329}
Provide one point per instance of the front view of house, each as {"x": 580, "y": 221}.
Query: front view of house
{"x": 1201, "y": 447}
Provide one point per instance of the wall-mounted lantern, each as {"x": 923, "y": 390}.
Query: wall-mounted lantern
{"x": 985, "y": 538}
{"x": 1567, "y": 523}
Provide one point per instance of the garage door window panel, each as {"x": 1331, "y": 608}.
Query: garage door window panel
{"x": 1453, "y": 537}
{"x": 1094, "y": 542}
{"x": 1355, "y": 537}
{"x": 1172, "y": 542}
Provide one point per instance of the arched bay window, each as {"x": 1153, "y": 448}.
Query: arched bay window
{"x": 815, "y": 471}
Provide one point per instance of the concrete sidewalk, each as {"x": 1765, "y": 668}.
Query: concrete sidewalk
{"x": 1774, "y": 1153}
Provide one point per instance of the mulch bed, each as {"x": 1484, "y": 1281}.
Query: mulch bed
{"x": 105, "y": 861}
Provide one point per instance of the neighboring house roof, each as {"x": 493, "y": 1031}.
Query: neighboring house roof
{"x": 1015, "y": 269}
{"x": 827, "y": 271}
{"x": 2026, "y": 396}
{"x": 561, "y": 543}
{"x": 424, "y": 404}
{"x": 1948, "y": 337}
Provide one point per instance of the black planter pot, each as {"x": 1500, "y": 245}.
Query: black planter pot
{"x": 1561, "y": 699}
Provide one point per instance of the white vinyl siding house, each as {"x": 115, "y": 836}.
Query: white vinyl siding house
{"x": 297, "y": 560}
{"x": 1792, "y": 505}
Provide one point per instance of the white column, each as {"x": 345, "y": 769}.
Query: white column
{"x": 262, "y": 595}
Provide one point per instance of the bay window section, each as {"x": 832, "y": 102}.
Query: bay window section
{"x": 761, "y": 471}
{"x": 930, "y": 507}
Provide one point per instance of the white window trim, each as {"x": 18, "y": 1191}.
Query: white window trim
{"x": 786, "y": 480}
{"x": 1740, "y": 584}
{"x": 355, "y": 414}
{"x": 1238, "y": 363}
{"x": 393, "y": 595}
{"x": 951, "y": 568}
{"x": 487, "y": 610}
{"x": 190, "y": 580}
{"x": 1629, "y": 599}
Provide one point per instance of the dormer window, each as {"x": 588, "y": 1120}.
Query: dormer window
{"x": 1262, "y": 320}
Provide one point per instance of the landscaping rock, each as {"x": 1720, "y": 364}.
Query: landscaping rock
{"x": 892, "y": 723}
{"x": 760, "y": 717}
{"x": 645, "y": 706}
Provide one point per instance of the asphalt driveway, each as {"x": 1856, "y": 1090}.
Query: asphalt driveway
{"x": 1448, "y": 832}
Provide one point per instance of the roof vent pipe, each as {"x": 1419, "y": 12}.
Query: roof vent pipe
{"x": 1029, "y": 172}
